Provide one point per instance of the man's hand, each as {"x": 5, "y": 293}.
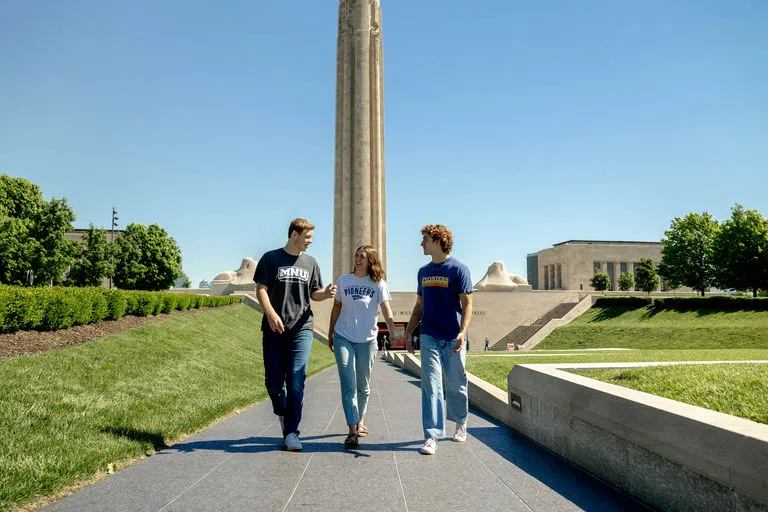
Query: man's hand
{"x": 330, "y": 341}
{"x": 328, "y": 293}
{"x": 459, "y": 342}
{"x": 275, "y": 323}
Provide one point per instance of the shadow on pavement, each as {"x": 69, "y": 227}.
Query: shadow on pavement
{"x": 577, "y": 486}
{"x": 275, "y": 444}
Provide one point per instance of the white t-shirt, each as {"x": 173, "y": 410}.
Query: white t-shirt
{"x": 360, "y": 298}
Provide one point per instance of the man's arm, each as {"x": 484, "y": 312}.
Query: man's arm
{"x": 412, "y": 323}
{"x": 275, "y": 323}
{"x": 328, "y": 293}
{"x": 334, "y": 316}
{"x": 466, "y": 317}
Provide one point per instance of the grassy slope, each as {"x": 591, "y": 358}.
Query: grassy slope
{"x": 67, "y": 414}
{"x": 637, "y": 328}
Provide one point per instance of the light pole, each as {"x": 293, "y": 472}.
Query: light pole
{"x": 111, "y": 244}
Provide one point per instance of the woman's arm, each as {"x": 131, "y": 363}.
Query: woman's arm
{"x": 334, "y": 316}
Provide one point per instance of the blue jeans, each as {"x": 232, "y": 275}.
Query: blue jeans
{"x": 436, "y": 358}
{"x": 354, "y": 361}
{"x": 285, "y": 370}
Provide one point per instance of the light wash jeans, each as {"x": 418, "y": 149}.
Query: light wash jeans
{"x": 354, "y": 361}
{"x": 436, "y": 358}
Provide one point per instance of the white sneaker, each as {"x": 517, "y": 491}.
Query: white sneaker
{"x": 461, "y": 433}
{"x": 430, "y": 447}
{"x": 292, "y": 443}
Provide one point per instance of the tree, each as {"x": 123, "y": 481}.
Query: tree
{"x": 741, "y": 251}
{"x": 94, "y": 262}
{"x": 645, "y": 275}
{"x": 32, "y": 233}
{"x": 687, "y": 257}
{"x": 186, "y": 283}
{"x": 626, "y": 281}
{"x": 146, "y": 258}
{"x": 600, "y": 282}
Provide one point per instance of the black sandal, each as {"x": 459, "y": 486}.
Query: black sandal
{"x": 350, "y": 443}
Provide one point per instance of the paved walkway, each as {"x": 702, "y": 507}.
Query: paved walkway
{"x": 238, "y": 465}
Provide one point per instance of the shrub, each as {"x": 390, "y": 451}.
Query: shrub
{"x": 116, "y": 304}
{"x": 623, "y": 302}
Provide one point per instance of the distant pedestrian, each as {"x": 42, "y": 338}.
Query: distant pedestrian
{"x": 487, "y": 345}
{"x": 444, "y": 307}
{"x": 352, "y": 335}
{"x": 286, "y": 279}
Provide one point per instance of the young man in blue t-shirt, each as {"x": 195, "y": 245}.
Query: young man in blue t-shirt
{"x": 444, "y": 307}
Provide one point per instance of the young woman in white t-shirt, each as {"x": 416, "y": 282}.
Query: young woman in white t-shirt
{"x": 352, "y": 335}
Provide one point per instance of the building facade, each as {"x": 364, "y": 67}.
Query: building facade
{"x": 570, "y": 265}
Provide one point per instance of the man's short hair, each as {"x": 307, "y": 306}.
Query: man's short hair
{"x": 300, "y": 226}
{"x": 440, "y": 233}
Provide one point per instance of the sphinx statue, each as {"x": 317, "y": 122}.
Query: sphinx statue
{"x": 496, "y": 279}
{"x": 235, "y": 280}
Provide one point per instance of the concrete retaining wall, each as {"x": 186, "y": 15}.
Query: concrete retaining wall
{"x": 671, "y": 455}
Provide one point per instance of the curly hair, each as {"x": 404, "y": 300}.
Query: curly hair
{"x": 440, "y": 233}
{"x": 375, "y": 271}
{"x": 299, "y": 225}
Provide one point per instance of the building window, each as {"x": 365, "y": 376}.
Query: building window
{"x": 546, "y": 277}
{"x": 623, "y": 267}
{"x": 559, "y": 277}
{"x": 610, "y": 275}
{"x": 596, "y": 267}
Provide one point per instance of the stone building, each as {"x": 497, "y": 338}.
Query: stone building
{"x": 570, "y": 265}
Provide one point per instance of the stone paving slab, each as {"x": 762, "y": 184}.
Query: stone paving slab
{"x": 238, "y": 465}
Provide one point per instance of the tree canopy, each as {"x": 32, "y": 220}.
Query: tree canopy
{"x": 146, "y": 258}
{"x": 94, "y": 261}
{"x": 32, "y": 233}
{"x": 600, "y": 282}
{"x": 687, "y": 257}
{"x": 741, "y": 251}
{"x": 645, "y": 275}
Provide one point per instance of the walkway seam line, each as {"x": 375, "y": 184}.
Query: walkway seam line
{"x": 197, "y": 482}
{"x": 297, "y": 483}
{"x": 499, "y": 479}
{"x": 389, "y": 435}
{"x": 214, "y": 469}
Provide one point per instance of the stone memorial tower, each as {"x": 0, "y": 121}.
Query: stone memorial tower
{"x": 359, "y": 210}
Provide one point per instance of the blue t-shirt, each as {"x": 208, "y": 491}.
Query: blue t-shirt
{"x": 439, "y": 287}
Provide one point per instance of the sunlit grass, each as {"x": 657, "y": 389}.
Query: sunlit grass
{"x": 67, "y": 414}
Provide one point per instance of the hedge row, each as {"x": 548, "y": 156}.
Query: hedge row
{"x": 716, "y": 303}
{"x": 52, "y": 308}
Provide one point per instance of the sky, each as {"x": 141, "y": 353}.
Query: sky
{"x": 517, "y": 124}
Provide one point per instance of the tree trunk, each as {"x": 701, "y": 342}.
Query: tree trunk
{"x": 754, "y": 292}
{"x": 702, "y": 293}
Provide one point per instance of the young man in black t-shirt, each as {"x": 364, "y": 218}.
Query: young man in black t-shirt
{"x": 286, "y": 279}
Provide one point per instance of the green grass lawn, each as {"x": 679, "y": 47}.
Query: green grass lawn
{"x": 495, "y": 369}
{"x": 68, "y": 414}
{"x": 737, "y": 389}
{"x": 618, "y": 327}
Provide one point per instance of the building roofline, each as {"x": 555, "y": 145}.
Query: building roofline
{"x": 622, "y": 242}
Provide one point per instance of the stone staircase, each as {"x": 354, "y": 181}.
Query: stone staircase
{"x": 522, "y": 333}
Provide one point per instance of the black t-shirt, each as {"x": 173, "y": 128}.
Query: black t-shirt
{"x": 289, "y": 280}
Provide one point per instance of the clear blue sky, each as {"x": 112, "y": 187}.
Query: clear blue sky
{"x": 517, "y": 124}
